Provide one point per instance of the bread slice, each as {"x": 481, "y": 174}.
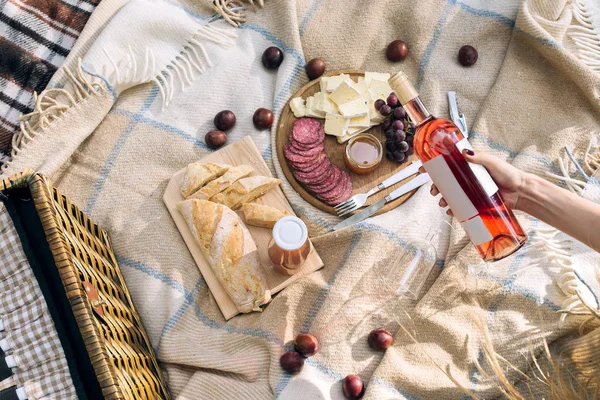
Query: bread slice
{"x": 198, "y": 174}
{"x": 245, "y": 190}
{"x": 218, "y": 185}
{"x": 262, "y": 215}
{"x": 230, "y": 250}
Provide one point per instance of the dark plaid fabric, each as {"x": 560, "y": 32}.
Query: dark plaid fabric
{"x": 35, "y": 38}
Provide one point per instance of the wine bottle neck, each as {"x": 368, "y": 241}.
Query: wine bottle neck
{"x": 409, "y": 98}
{"x": 417, "y": 111}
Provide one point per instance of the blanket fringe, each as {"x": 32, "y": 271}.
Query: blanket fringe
{"x": 233, "y": 10}
{"x": 585, "y": 36}
{"x": 191, "y": 61}
{"x": 557, "y": 252}
{"x": 48, "y": 107}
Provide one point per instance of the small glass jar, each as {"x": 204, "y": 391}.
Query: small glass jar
{"x": 289, "y": 248}
{"x": 363, "y": 153}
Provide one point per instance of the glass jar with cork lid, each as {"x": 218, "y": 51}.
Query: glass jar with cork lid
{"x": 289, "y": 248}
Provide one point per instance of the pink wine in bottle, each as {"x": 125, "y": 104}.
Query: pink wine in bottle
{"x": 468, "y": 188}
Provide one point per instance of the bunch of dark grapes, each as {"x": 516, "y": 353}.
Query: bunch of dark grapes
{"x": 399, "y": 129}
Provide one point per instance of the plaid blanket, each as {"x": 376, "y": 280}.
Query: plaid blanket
{"x": 35, "y": 38}
{"x": 114, "y": 156}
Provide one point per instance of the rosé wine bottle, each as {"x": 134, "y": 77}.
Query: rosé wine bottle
{"x": 468, "y": 188}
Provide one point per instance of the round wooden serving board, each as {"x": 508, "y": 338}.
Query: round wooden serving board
{"x": 335, "y": 152}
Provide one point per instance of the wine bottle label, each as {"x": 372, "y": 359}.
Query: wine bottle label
{"x": 483, "y": 176}
{"x": 455, "y": 196}
{"x": 477, "y": 231}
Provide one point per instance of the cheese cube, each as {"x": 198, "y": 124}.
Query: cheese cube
{"x": 379, "y": 89}
{"x": 324, "y": 104}
{"x": 311, "y": 111}
{"x": 298, "y": 107}
{"x": 336, "y": 125}
{"x": 323, "y": 83}
{"x": 362, "y": 121}
{"x": 376, "y": 117}
{"x": 354, "y": 108}
{"x": 351, "y": 133}
{"x": 362, "y": 89}
{"x": 334, "y": 81}
{"x": 361, "y": 86}
{"x": 345, "y": 93}
{"x": 377, "y": 76}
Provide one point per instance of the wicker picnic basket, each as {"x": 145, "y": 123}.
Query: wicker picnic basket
{"x": 117, "y": 352}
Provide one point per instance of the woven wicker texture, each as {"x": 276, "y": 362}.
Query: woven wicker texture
{"x": 121, "y": 354}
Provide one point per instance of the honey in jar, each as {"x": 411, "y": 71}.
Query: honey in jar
{"x": 363, "y": 154}
{"x": 289, "y": 247}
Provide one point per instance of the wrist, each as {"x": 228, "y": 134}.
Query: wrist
{"x": 529, "y": 193}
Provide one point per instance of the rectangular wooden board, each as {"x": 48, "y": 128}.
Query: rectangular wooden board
{"x": 243, "y": 151}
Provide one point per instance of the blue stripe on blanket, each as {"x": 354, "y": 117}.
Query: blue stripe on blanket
{"x": 309, "y": 14}
{"x": 431, "y": 45}
{"x": 114, "y": 154}
{"x": 173, "y": 319}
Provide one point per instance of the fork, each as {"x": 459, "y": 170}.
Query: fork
{"x": 358, "y": 200}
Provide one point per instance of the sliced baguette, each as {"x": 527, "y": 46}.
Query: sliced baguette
{"x": 262, "y": 215}
{"x": 218, "y": 185}
{"x": 199, "y": 174}
{"x": 245, "y": 190}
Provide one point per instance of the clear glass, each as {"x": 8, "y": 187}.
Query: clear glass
{"x": 408, "y": 273}
{"x": 438, "y": 137}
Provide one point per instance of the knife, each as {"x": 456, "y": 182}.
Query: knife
{"x": 414, "y": 183}
{"x": 457, "y": 117}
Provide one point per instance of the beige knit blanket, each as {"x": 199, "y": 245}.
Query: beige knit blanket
{"x": 535, "y": 89}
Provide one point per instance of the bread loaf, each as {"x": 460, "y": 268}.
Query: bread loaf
{"x": 230, "y": 251}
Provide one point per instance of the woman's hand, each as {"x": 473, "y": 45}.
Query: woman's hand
{"x": 510, "y": 180}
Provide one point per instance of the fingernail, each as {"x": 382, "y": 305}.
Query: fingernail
{"x": 470, "y": 152}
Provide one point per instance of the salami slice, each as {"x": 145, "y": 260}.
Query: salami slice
{"x": 317, "y": 180}
{"x": 294, "y": 157}
{"x": 302, "y": 146}
{"x": 312, "y": 175}
{"x": 307, "y": 131}
{"x": 335, "y": 192}
{"x": 310, "y": 152}
{"x": 340, "y": 192}
{"x": 308, "y": 165}
{"x": 322, "y": 161}
{"x": 331, "y": 182}
{"x": 320, "y": 180}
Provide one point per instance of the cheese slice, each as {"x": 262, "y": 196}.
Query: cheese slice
{"x": 336, "y": 125}
{"x": 363, "y": 121}
{"x": 298, "y": 107}
{"x": 354, "y": 108}
{"x": 345, "y": 93}
{"x": 378, "y": 76}
{"x": 350, "y": 134}
{"x": 324, "y": 104}
{"x": 334, "y": 81}
{"x": 379, "y": 89}
{"x": 376, "y": 117}
{"x": 323, "y": 83}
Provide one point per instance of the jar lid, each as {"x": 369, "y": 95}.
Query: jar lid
{"x": 290, "y": 233}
